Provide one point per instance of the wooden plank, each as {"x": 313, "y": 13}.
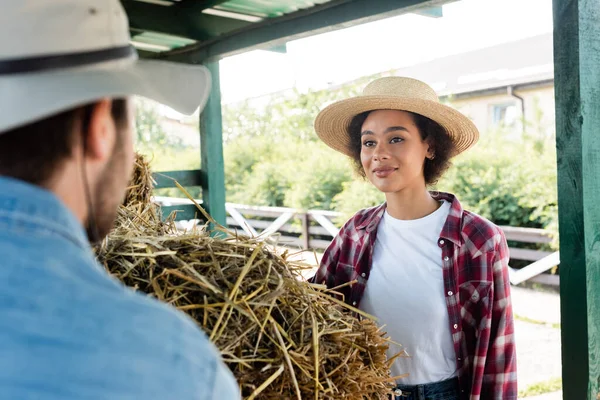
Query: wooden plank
{"x": 527, "y": 254}
{"x": 264, "y": 211}
{"x": 305, "y": 231}
{"x": 285, "y": 229}
{"x": 328, "y": 214}
{"x": 172, "y": 201}
{"x": 260, "y": 211}
{"x": 185, "y": 178}
{"x": 526, "y": 235}
{"x": 211, "y": 149}
{"x": 546, "y": 279}
{"x": 255, "y": 211}
{"x": 268, "y": 211}
{"x": 241, "y": 221}
{"x": 277, "y": 224}
{"x": 292, "y": 241}
{"x": 298, "y": 243}
{"x": 534, "y": 269}
{"x": 325, "y": 223}
{"x": 315, "y": 20}
{"x": 184, "y": 20}
{"x": 577, "y": 95}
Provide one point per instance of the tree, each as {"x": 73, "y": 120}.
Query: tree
{"x": 150, "y": 134}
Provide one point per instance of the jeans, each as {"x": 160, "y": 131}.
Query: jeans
{"x": 445, "y": 390}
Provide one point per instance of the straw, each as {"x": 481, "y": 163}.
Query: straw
{"x": 282, "y": 337}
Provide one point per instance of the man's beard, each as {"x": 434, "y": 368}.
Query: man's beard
{"x": 106, "y": 197}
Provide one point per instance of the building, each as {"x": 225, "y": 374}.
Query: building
{"x": 497, "y": 86}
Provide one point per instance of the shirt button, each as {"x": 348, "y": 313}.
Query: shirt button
{"x": 455, "y": 326}
{"x": 353, "y": 303}
{"x": 446, "y": 258}
{"x": 363, "y": 274}
{"x": 442, "y": 241}
{"x": 450, "y": 293}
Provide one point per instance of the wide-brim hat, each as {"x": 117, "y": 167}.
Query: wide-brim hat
{"x": 58, "y": 54}
{"x": 394, "y": 93}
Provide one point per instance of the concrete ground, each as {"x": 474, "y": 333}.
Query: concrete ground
{"x": 538, "y": 344}
{"x": 547, "y": 396}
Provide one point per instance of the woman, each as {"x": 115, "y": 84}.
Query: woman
{"x": 434, "y": 274}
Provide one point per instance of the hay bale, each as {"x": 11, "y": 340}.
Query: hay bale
{"x": 282, "y": 338}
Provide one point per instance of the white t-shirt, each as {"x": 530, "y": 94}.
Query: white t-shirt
{"x": 405, "y": 291}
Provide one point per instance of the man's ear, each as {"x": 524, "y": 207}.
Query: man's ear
{"x": 101, "y": 132}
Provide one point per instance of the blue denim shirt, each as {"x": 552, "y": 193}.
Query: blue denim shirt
{"x": 70, "y": 331}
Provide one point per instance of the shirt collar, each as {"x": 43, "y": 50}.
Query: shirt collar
{"x": 371, "y": 220}
{"x": 452, "y": 227}
{"x": 24, "y": 205}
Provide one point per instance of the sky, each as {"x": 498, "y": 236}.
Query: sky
{"x": 344, "y": 55}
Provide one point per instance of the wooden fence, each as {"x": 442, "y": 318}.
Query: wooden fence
{"x": 314, "y": 230}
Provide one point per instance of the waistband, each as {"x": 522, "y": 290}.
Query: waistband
{"x": 428, "y": 389}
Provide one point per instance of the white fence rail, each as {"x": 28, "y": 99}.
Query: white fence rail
{"x": 314, "y": 229}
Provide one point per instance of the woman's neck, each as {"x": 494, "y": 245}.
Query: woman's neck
{"x": 411, "y": 204}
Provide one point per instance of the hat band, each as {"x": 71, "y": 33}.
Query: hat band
{"x": 62, "y": 61}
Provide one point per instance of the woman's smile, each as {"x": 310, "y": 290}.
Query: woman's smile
{"x": 384, "y": 172}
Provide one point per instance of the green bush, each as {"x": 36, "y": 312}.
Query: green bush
{"x": 357, "y": 194}
{"x": 509, "y": 182}
{"x": 292, "y": 173}
{"x": 265, "y": 185}
{"x": 243, "y": 157}
{"x": 316, "y": 177}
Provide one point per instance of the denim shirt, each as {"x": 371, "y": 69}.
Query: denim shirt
{"x": 70, "y": 331}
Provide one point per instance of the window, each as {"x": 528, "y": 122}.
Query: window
{"x": 504, "y": 115}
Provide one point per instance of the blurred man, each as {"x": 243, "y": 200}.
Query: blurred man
{"x": 67, "y": 329}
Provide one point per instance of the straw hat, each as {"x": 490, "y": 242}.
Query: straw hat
{"x": 393, "y": 93}
{"x": 58, "y": 54}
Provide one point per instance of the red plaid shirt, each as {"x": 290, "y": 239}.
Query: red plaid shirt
{"x": 477, "y": 290}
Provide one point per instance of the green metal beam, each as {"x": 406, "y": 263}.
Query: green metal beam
{"x": 281, "y": 48}
{"x": 211, "y": 148}
{"x": 184, "y": 178}
{"x": 434, "y": 12}
{"x": 577, "y": 79}
{"x": 185, "y": 20}
{"x": 275, "y": 31}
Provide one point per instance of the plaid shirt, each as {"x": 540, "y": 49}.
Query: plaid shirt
{"x": 477, "y": 290}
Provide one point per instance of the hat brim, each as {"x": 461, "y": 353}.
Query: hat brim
{"x": 333, "y": 121}
{"x": 25, "y": 98}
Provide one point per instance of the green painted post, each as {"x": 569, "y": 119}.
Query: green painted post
{"x": 211, "y": 148}
{"x": 577, "y": 86}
